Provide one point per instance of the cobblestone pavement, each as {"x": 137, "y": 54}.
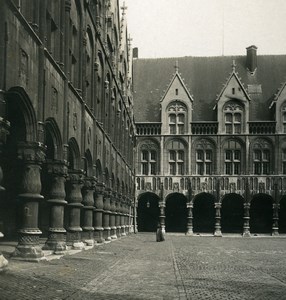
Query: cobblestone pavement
{"x": 136, "y": 267}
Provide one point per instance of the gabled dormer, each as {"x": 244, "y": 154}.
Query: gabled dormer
{"x": 176, "y": 107}
{"x": 233, "y": 106}
{"x": 279, "y": 105}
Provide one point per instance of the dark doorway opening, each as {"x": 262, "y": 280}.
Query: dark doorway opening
{"x": 148, "y": 212}
{"x": 176, "y": 213}
{"x": 232, "y": 214}
{"x": 261, "y": 214}
{"x": 204, "y": 213}
{"x": 282, "y": 215}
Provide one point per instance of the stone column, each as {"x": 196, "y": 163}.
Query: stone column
{"x": 117, "y": 216}
{"x": 122, "y": 216}
{"x": 162, "y": 216}
{"x": 98, "y": 212}
{"x": 57, "y": 171}
{"x": 4, "y": 126}
{"x": 246, "y": 218}
{"x": 275, "y": 227}
{"x": 190, "y": 219}
{"x": 74, "y": 198}
{"x": 217, "y": 219}
{"x": 31, "y": 156}
{"x": 88, "y": 202}
{"x": 106, "y": 215}
{"x": 113, "y": 216}
{"x": 131, "y": 213}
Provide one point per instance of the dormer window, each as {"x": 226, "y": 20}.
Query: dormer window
{"x": 177, "y": 118}
{"x": 233, "y": 114}
{"x": 283, "y": 118}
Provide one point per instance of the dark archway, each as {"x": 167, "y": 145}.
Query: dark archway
{"x": 176, "y": 213}
{"x": 232, "y": 214}
{"x": 204, "y": 213}
{"x": 282, "y": 215}
{"x": 261, "y": 214}
{"x": 148, "y": 212}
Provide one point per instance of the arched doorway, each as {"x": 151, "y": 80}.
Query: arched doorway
{"x": 282, "y": 215}
{"x": 148, "y": 212}
{"x": 261, "y": 214}
{"x": 176, "y": 213}
{"x": 204, "y": 213}
{"x": 232, "y": 214}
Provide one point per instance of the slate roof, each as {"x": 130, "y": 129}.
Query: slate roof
{"x": 204, "y": 78}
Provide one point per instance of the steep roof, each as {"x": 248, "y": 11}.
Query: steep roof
{"x": 204, "y": 78}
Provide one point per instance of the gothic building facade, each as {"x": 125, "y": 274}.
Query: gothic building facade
{"x": 211, "y": 144}
{"x": 66, "y": 124}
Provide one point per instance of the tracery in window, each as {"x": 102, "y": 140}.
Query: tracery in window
{"x": 176, "y": 158}
{"x": 232, "y": 158}
{"x": 233, "y": 116}
{"x": 177, "y": 114}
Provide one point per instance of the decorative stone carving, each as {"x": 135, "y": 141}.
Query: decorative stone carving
{"x": 217, "y": 220}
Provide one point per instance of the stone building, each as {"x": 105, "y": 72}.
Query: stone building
{"x": 211, "y": 143}
{"x": 66, "y": 124}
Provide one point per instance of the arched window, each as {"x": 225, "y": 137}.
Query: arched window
{"x": 149, "y": 158}
{"x": 261, "y": 157}
{"x": 177, "y": 115}
{"x": 233, "y": 116}
{"x": 177, "y": 158}
{"x": 204, "y": 157}
{"x": 232, "y": 158}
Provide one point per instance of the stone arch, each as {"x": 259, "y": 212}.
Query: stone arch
{"x": 53, "y": 140}
{"x": 261, "y": 213}
{"x": 232, "y": 213}
{"x": 148, "y": 212}
{"x": 204, "y": 213}
{"x": 176, "y": 213}
{"x": 73, "y": 154}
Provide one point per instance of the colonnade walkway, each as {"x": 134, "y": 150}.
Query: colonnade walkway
{"x": 138, "y": 267}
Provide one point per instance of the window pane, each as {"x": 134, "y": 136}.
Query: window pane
{"x": 144, "y": 155}
{"x": 200, "y": 154}
{"x": 266, "y": 155}
{"x": 180, "y": 169}
{"x": 153, "y": 155}
{"x": 237, "y": 117}
{"x": 172, "y": 118}
{"x": 257, "y": 155}
{"x": 228, "y": 118}
{"x": 172, "y": 155}
{"x": 208, "y": 155}
{"x": 284, "y": 154}
{"x": 228, "y": 128}
{"x": 265, "y": 168}
{"x": 237, "y": 128}
{"x": 257, "y": 168}
{"x": 172, "y": 129}
{"x": 180, "y": 155}
{"x": 284, "y": 117}
{"x": 284, "y": 168}
{"x": 208, "y": 168}
{"x": 237, "y": 155}
{"x": 200, "y": 168}
{"x": 236, "y": 170}
{"x": 172, "y": 168}
{"x": 145, "y": 168}
{"x": 228, "y": 155}
{"x": 153, "y": 168}
{"x": 228, "y": 168}
{"x": 181, "y": 118}
{"x": 181, "y": 129}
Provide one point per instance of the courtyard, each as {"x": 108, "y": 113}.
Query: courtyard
{"x": 137, "y": 267}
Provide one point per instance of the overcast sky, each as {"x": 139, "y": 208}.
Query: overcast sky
{"x": 174, "y": 28}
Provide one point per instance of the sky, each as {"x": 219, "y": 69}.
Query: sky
{"x": 175, "y": 28}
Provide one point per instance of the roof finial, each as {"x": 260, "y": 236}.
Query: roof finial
{"x": 123, "y": 8}
{"x": 233, "y": 65}
{"x": 176, "y": 66}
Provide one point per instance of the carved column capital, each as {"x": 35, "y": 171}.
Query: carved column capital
{"x": 100, "y": 187}
{"x": 31, "y": 152}
{"x": 57, "y": 168}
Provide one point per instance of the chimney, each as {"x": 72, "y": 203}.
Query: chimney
{"x": 251, "y": 58}
{"x": 135, "y": 52}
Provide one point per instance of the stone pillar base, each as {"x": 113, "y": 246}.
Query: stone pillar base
{"x": 98, "y": 236}
{"x": 118, "y": 232}
{"x": 3, "y": 262}
{"x": 123, "y": 232}
{"x": 113, "y": 233}
{"x": 56, "y": 242}
{"x": 87, "y": 237}
{"x": 218, "y": 233}
{"x": 74, "y": 240}
{"x": 106, "y": 234}
{"x": 189, "y": 232}
{"x": 31, "y": 253}
{"x": 246, "y": 234}
{"x": 275, "y": 232}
